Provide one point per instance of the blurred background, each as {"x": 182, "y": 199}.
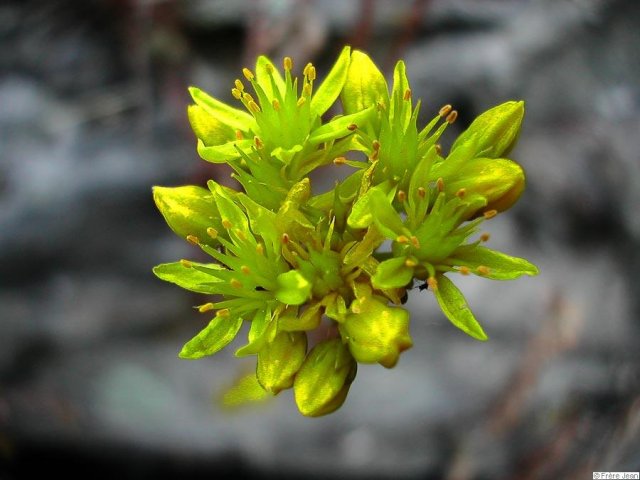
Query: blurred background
{"x": 93, "y": 113}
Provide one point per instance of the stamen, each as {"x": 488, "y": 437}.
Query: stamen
{"x": 306, "y": 90}
{"x": 240, "y": 234}
{"x": 433, "y": 283}
{"x": 415, "y": 242}
{"x": 440, "y": 184}
{"x": 485, "y": 237}
{"x": 376, "y": 145}
{"x": 258, "y": 143}
{"x": 269, "y": 68}
{"x": 287, "y": 63}
{"x": 186, "y": 263}
{"x": 312, "y": 74}
{"x": 381, "y": 107}
{"x": 490, "y": 214}
{"x": 352, "y": 127}
{"x": 422, "y": 192}
{"x": 301, "y": 101}
{"x": 438, "y": 148}
{"x": 247, "y": 97}
{"x": 224, "y": 312}
{"x": 239, "y": 135}
{"x": 483, "y": 270}
{"x": 226, "y": 223}
{"x": 246, "y": 270}
{"x": 444, "y": 111}
{"x": 452, "y": 117}
{"x": 260, "y": 249}
{"x": 407, "y": 94}
{"x": 402, "y": 196}
{"x": 237, "y": 94}
{"x": 374, "y": 156}
{"x": 464, "y": 270}
{"x": 212, "y": 232}
{"x": 402, "y": 239}
{"x": 239, "y": 85}
{"x": 285, "y": 238}
{"x": 193, "y": 239}
{"x": 235, "y": 283}
{"x": 461, "y": 193}
{"x": 339, "y": 161}
{"x": 206, "y": 307}
{"x": 253, "y": 106}
{"x": 409, "y": 262}
{"x": 248, "y": 74}
{"x": 276, "y": 104}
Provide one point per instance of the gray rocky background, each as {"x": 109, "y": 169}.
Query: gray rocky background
{"x": 92, "y": 113}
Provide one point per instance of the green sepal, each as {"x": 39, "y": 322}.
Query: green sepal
{"x": 245, "y": 390}
{"x": 207, "y": 127}
{"x": 188, "y": 210}
{"x": 224, "y": 153}
{"x": 234, "y": 118}
{"x": 392, "y": 273}
{"x": 330, "y": 88}
{"x": 212, "y": 338}
{"x": 321, "y": 385}
{"x": 263, "y": 328}
{"x": 264, "y": 78}
{"x": 365, "y": 85}
{"x": 309, "y": 319}
{"x": 293, "y": 288}
{"x": 189, "y": 278}
{"x": 496, "y": 130}
{"x": 456, "y": 309}
{"x": 500, "y": 265}
{"x": 280, "y": 359}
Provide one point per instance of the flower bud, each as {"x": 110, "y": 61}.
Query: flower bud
{"x": 323, "y": 381}
{"x": 495, "y": 131}
{"x": 376, "y": 332}
{"x": 189, "y": 211}
{"x": 280, "y": 359}
{"x": 365, "y": 85}
{"x": 500, "y": 181}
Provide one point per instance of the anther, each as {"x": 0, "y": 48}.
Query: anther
{"x": 246, "y": 270}
{"x": 461, "y": 193}
{"x": 312, "y": 74}
{"x": 452, "y": 117}
{"x": 490, "y": 214}
{"x": 193, "y": 239}
{"x": 444, "y": 111}
{"x": 239, "y": 135}
{"x": 339, "y": 161}
{"x": 374, "y": 155}
{"x": 248, "y": 74}
{"x": 284, "y": 238}
{"x": 376, "y": 145}
{"x": 402, "y": 239}
{"x": 352, "y": 127}
{"x": 301, "y": 101}
{"x": 253, "y": 106}
{"x": 224, "y": 312}
{"x": 226, "y": 223}
{"x": 258, "y": 143}
{"x": 186, "y": 263}
{"x": 483, "y": 270}
{"x": 485, "y": 237}
{"x": 237, "y": 94}
{"x": 276, "y": 104}
{"x": 415, "y": 242}
{"x": 410, "y": 263}
{"x": 239, "y": 85}
{"x": 422, "y": 192}
{"x": 433, "y": 283}
{"x": 381, "y": 106}
{"x": 287, "y": 63}
{"x": 407, "y": 94}
{"x": 260, "y": 249}
{"x": 402, "y": 196}
{"x": 206, "y": 307}
{"x": 235, "y": 283}
{"x": 212, "y": 232}
{"x": 464, "y": 270}
{"x": 438, "y": 148}
{"x": 440, "y": 184}
{"x": 247, "y": 97}
{"x": 306, "y": 90}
